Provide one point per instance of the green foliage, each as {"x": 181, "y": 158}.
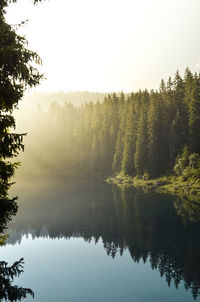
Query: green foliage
{"x": 127, "y": 164}
{"x": 182, "y": 161}
{"x": 146, "y": 175}
{"x": 3, "y": 239}
{"x": 194, "y": 119}
{"x": 188, "y": 209}
{"x": 188, "y": 165}
{"x": 17, "y": 73}
{"x": 133, "y": 133}
{"x": 194, "y": 160}
{"x": 10, "y": 292}
{"x": 141, "y": 153}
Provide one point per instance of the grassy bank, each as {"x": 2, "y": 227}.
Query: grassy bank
{"x": 166, "y": 184}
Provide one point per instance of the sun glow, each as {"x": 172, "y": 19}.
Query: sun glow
{"x": 110, "y": 45}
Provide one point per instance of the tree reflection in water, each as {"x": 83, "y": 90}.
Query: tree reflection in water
{"x": 188, "y": 208}
{"x": 154, "y": 230}
{"x": 145, "y": 224}
{"x": 9, "y": 292}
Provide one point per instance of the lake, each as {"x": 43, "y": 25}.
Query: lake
{"x": 89, "y": 241}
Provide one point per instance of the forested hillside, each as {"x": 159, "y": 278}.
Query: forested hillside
{"x": 145, "y": 132}
{"x": 77, "y": 98}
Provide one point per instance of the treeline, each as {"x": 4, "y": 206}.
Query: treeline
{"x": 77, "y": 98}
{"x": 137, "y": 133}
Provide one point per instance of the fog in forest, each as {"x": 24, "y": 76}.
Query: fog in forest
{"x": 51, "y": 123}
{"x": 98, "y": 135}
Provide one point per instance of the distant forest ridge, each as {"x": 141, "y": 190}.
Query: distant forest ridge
{"x": 140, "y": 133}
{"x": 76, "y": 98}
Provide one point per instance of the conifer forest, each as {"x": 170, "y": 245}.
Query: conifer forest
{"x": 150, "y": 133}
{"x": 99, "y": 185}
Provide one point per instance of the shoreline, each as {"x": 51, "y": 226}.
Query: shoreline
{"x": 166, "y": 184}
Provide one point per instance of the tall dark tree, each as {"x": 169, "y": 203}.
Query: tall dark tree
{"x": 133, "y": 133}
{"x": 141, "y": 158}
{"x": 194, "y": 119}
{"x": 17, "y": 73}
{"x": 127, "y": 164}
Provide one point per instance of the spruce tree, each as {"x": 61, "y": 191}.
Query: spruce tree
{"x": 127, "y": 164}
{"x": 194, "y": 120}
{"x": 141, "y": 154}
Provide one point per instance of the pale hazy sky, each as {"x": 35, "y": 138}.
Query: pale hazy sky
{"x": 111, "y": 45}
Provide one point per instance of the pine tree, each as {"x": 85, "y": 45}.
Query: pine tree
{"x": 119, "y": 146}
{"x": 127, "y": 164}
{"x": 157, "y": 138}
{"x": 141, "y": 154}
{"x": 17, "y": 72}
{"x": 194, "y": 120}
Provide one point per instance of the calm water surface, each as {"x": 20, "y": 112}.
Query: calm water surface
{"x": 95, "y": 243}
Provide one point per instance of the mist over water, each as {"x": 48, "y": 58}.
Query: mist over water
{"x": 66, "y": 234}
{"x": 141, "y": 232}
{"x": 85, "y": 240}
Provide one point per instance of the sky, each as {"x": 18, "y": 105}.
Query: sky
{"x": 110, "y": 45}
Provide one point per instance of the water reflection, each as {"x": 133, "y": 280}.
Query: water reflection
{"x": 145, "y": 224}
{"x": 8, "y": 291}
{"x": 188, "y": 208}
{"x": 173, "y": 247}
{"x": 8, "y": 208}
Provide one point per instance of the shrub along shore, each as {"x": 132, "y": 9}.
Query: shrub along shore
{"x": 166, "y": 184}
{"x": 185, "y": 181}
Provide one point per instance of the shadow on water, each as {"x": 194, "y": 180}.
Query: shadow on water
{"x": 8, "y": 291}
{"x": 188, "y": 208}
{"x": 158, "y": 233}
{"x": 145, "y": 224}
